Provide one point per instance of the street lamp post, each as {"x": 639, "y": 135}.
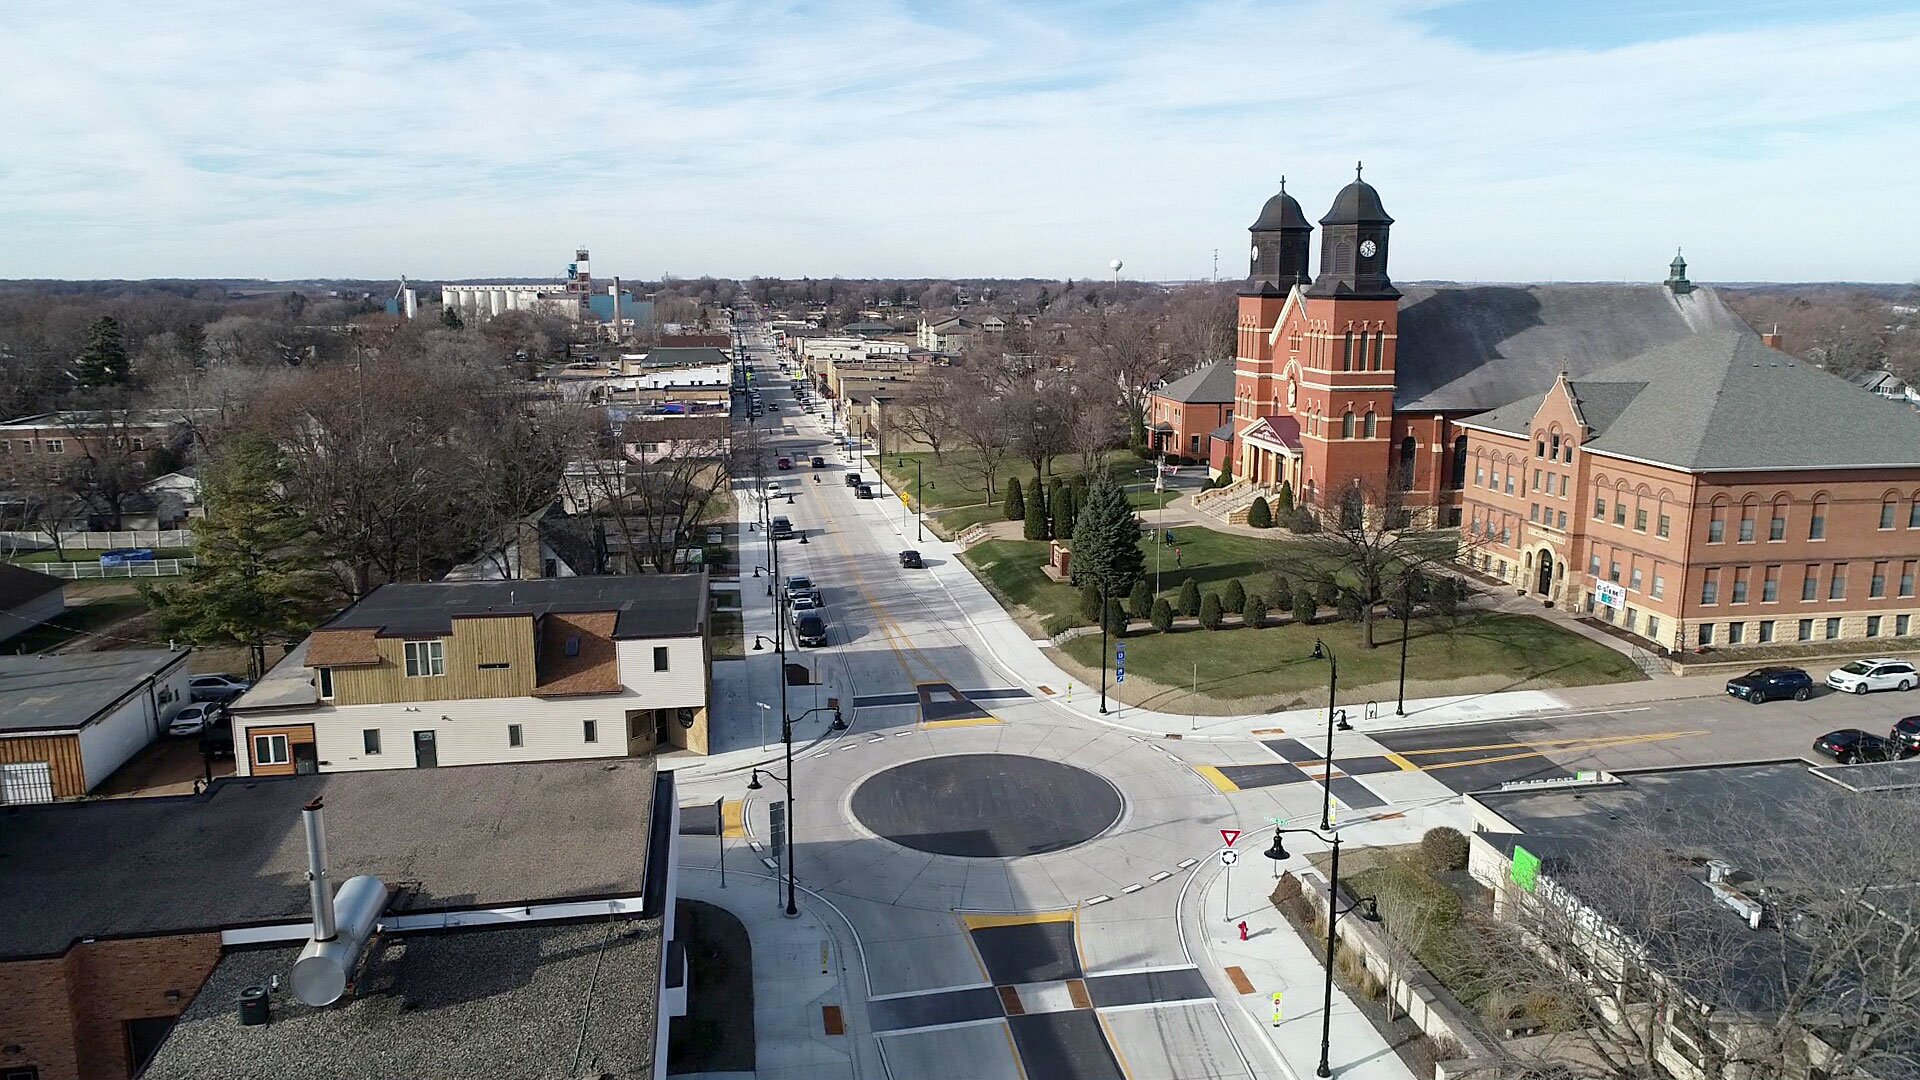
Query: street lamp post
{"x": 1406, "y": 623}
{"x": 1369, "y": 910}
{"x": 1102, "y": 586}
{"x": 919, "y": 505}
{"x": 1321, "y": 651}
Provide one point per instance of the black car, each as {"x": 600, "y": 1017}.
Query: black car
{"x": 1905, "y": 735}
{"x": 910, "y": 560}
{"x": 1851, "y": 745}
{"x": 1772, "y": 684}
{"x": 809, "y": 629}
{"x": 851, "y": 479}
{"x": 819, "y": 462}
{"x": 863, "y": 491}
{"x": 782, "y": 528}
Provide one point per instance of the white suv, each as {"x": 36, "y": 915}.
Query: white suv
{"x": 1876, "y": 674}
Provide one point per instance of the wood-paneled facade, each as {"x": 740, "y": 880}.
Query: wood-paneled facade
{"x": 61, "y": 753}
{"x": 490, "y": 656}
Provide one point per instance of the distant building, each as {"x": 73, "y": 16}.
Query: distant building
{"x": 478, "y": 303}
{"x": 950, "y": 334}
{"x": 67, "y": 722}
{"x": 1182, "y": 415}
{"x": 52, "y": 442}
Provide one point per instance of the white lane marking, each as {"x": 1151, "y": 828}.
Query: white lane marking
{"x": 1092, "y": 900}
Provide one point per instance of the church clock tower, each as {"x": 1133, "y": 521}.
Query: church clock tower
{"x": 1275, "y": 266}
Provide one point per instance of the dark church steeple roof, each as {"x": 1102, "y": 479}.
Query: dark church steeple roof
{"x": 1357, "y": 204}
{"x": 1282, "y": 212}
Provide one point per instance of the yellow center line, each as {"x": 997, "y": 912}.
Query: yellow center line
{"x": 899, "y": 641}
{"x": 1594, "y": 744}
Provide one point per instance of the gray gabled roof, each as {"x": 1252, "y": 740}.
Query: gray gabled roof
{"x": 1211, "y": 385}
{"x": 1725, "y": 401}
{"x": 1474, "y": 347}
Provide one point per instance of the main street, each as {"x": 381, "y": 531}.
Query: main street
{"x": 1016, "y": 887}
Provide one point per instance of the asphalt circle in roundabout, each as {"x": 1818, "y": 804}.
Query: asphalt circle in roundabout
{"x": 986, "y": 806}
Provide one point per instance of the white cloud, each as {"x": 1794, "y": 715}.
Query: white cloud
{"x": 990, "y": 138}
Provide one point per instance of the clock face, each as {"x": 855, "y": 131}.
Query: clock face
{"x": 1367, "y": 249}
{"x": 1256, "y": 253}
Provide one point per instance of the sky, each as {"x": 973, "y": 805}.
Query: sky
{"x": 1512, "y": 140}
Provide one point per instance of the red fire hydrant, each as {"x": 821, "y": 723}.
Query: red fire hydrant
{"x": 1243, "y": 931}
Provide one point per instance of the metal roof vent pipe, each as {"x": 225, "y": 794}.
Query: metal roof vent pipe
{"x": 342, "y": 924}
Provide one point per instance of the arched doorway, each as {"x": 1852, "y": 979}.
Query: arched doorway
{"x": 1544, "y": 585}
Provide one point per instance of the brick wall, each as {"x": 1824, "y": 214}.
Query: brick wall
{"x": 67, "y": 1014}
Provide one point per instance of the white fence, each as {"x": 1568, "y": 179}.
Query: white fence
{"x": 99, "y": 541}
{"x": 87, "y": 571}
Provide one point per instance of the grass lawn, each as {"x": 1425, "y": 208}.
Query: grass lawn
{"x": 726, "y": 627}
{"x": 1268, "y": 668}
{"x": 99, "y": 611}
{"x": 957, "y": 482}
{"x": 1011, "y": 571}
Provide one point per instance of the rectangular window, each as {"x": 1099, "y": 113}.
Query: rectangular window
{"x": 139, "y": 443}
{"x": 1810, "y": 584}
{"x": 1653, "y": 625}
{"x": 1746, "y": 530}
{"x": 1833, "y": 629}
{"x": 270, "y": 750}
{"x": 1556, "y": 448}
{"x": 1901, "y": 623}
{"x": 1736, "y": 633}
{"x": 1706, "y": 633}
{"x": 1716, "y": 531}
{"x": 1562, "y": 515}
{"x": 1536, "y": 479}
{"x": 1613, "y": 571}
{"x": 1710, "y": 588}
{"x": 1509, "y": 483}
{"x": 1740, "y": 578}
{"x": 1593, "y": 565}
{"x": 1877, "y": 587}
{"x": 1817, "y": 527}
{"x": 1533, "y": 512}
{"x": 26, "y": 446}
{"x": 1346, "y": 353}
{"x": 426, "y": 659}
{"x": 1640, "y": 518}
{"x": 1873, "y": 626}
{"x": 1766, "y": 632}
{"x": 324, "y": 677}
{"x": 659, "y": 658}
{"x": 1886, "y": 517}
{"x": 1770, "y": 585}
{"x": 1599, "y": 507}
{"x": 1619, "y": 513}
{"x": 1837, "y": 584}
{"x": 370, "y": 740}
{"x": 1659, "y": 585}
{"x": 1906, "y": 578}
{"x": 590, "y": 730}
{"x": 1806, "y": 629}
{"x": 1634, "y": 579}
{"x": 1379, "y": 349}
{"x": 56, "y": 446}
{"x": 513, "y": 735}
{"x": 1633, "y": 617}
{"x": 1666, "y": 526}
{"x": 1539, "y": 448}
{"x": 1913, "y": 514}
{"x": 1777, "y": 528}
{"x": 1479, "y": 476}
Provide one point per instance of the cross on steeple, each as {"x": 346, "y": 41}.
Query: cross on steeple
{"x": 1283, "y": 185}
{"x": 1356, "y": 171}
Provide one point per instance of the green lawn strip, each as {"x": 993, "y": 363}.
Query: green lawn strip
{"x": 956, "y": 481}
{"x": 1011, "y": 571}
{"x": 77, "y": 620}
{"x": 1273, "y": 661}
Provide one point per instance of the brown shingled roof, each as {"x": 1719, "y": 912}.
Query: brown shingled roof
{"x": 594, "y": 669}
{"x": 342, "y": 648}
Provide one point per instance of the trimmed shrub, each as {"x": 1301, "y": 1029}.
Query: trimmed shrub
{"x": 1303, "y": 522}
{"x": 1254, "y": 611}
{"x": 1283, "y": 501}
{"x": 1161, "y": 615}
{"x": 1327, "y": 592}
{"x": 1281, "y": 593}
{"x": 1189, "y": 597}
{"x": 1141, "y": 599}
{"x": 1235, "y": 596}
{"x": 1304, "y": 606}
{"x": 1015, "y": 507}
{"x": 1065, "y": 512}
{"x": 1260, "y": 515}
{"x": 1349, "y": 605}
{"x": 1037, "y": 524}
{"x": 1116, "y": 618}
{"x": 1443, "y": 849}
{"x": 1090, "y": 604}
{"x": 1210, "y": 612}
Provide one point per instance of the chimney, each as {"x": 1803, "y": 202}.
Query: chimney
{"x": 318, "y": 886}
{"x": 1771, "y": 339}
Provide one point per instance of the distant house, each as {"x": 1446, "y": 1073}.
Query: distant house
{"x": 1182, "y": 415}
{"x": 27, "y": 599}
{"x": 1884, "y": 384}
{"x": 67, "y": 722}
{"x": 951, "y": 334}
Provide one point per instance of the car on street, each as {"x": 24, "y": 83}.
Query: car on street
{"x": 1849, "y": 746}
{"x": 863, "y": 491}
{"x": 1771, "y": 684}
{"x": 1879, "y": 673}
{"x": 851, "y": 479}
{"x": 1905, "y": 735}
{"x": 809, "y": 629}
{"x": 800, "y": 585}
{"x": 803, "y": 603}
{"x": 785, "y": 463}
{"x": 819, "y": 462}
{"x": 782, "y": 528}
{"x": 194, "y": 719}
{"x": 773, "y": 489}
{"x": 910, "y": 560}
{"x": 221, "y": 688}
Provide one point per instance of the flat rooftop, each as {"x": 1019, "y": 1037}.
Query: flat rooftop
{"x": 60, "y": 693}
{"x": 1767, "y": 793}
{"x": 647, "y": 605}
{"x": 447, "y": 839}
{"x": 550, "y": 1002}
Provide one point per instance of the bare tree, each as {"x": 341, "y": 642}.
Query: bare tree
{"x": 673, "y": 472}
{"x": 982, "y": 424}
{"x": 925, "y": 412}
{"x": 44, "y": 503}
{"x": 1365, "y": 545}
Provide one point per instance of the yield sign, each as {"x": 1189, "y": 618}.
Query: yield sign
{"x": 1229, "y": 835}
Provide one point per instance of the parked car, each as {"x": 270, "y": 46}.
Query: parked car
{"x": 222, "y": 688}
{"x": 801, "y": 585}
{"x": 1849, "y": 746}
{"x": 803, "y": 602}
{"x": 785, "y": 463}
{"x": 1879, "y": 673}
{"x": 809, "y": 629}
{"x": 217, "y": 739}
{"x": 863, "y": 491}
{"x": 1905, "y": 735}
{"x": 194, "y": 719}
{"x": 851, "y": 479}
{"x": 910, "y": 560}
{"x": 773, "y": 489}
{"x": 819, "y": 462}
{"x": 123, "y": 556}
{"x": 1771, "y": 684}
{"x": 782, "y": 528}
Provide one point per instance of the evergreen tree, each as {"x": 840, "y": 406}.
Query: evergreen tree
{"x": 1254, "y": 611}
{"x": 1161, "y": 615}
{"x": 1210, "y": 613}
{"x": 450, "y": 317}
{"x": 1116, "y": 618}
{"x": 1327, "y": 592}
{"x": 1260, "y": 515}
{"x": 1055, "y": 491}
{"x": 1037, "y": 524}
{"x": 1189, "y": 597}
{"x": 1106, "y": 539}
{"x": 1015, "y": 508}
{"x": 1283, "y": 502}
{"x": 104, "y": 360}
{"x": 1304, "y": 606}
{"x": 1282, "y": 593}
{"x": 1141, "y": 599}
{"x": 1137, "y": 439}
{"x": 193, "y": 345}
{"x": 258, "y": 579}
{"x": 1235, "y": 596}
{"x": 1350, "y": 605}
{"x": 1065, "y": 513}
{"x": 1090, "y": 603}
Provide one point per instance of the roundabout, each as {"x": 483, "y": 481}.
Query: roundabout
{"x": 986, "y": 806}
